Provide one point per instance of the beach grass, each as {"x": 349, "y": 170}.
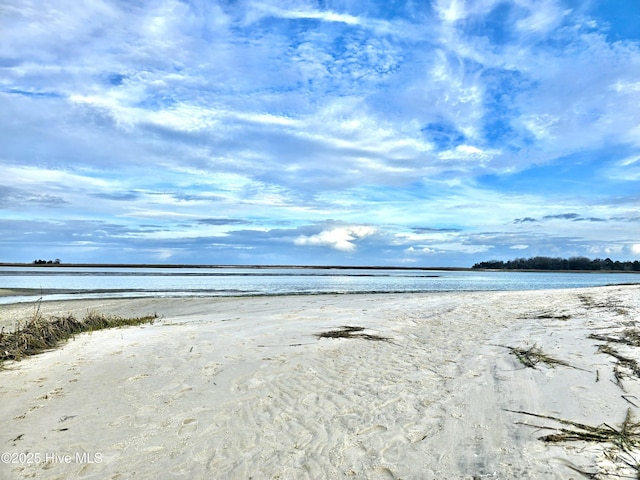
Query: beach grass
{"x": 39, "y": 334}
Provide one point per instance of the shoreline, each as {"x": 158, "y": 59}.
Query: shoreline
{"x": 296, "y": 267}
{"x": 240, "y": 387}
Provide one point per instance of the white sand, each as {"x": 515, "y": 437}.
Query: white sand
{"x": 235, "y": 388}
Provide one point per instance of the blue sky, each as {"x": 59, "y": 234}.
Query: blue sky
{"x": 415, "y": 133}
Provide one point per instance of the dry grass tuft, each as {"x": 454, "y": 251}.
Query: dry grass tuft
{"x": 351, "y": 332}
{"x": 40, "y": 334}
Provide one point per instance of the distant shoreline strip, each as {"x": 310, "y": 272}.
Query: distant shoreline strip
{"x": 253, "y": 267}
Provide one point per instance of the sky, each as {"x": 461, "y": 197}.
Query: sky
{"x": 318, "y": 132}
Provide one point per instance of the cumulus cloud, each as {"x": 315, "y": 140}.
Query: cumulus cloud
{"x": 340, "y": 238}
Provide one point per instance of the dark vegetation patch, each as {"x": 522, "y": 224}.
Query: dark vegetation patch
{"x": 553, "y": 316}
{"x": 352, "y": 332}
{"x": 40, "y": 334}
{"x": 531, "y": 357}
{"x": 547, "y": 315}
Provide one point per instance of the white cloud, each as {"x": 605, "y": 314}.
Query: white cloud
{"x": 623, "y": 86}
{"x": 421, "y": 250}
{"x": 630, "y": 161}
{"x": 324, "y": 15}
{"x": 542, "y": 17}
{"x": 339, "y": 238}
{"x": 605, "y": 250}
{"x": 450, "y": 11}
{"x": 540, "y": 125}
{"x": 469, "y": 153}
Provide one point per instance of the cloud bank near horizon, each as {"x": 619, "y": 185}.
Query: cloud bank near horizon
{"x": 310, "y": 132}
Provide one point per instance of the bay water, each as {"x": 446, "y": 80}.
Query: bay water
{"x": 61, "y": 283}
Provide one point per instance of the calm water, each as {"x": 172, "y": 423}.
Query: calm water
{"x": 75, "y": 282}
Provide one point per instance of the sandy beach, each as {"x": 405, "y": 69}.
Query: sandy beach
{"x": 239, "y": 388}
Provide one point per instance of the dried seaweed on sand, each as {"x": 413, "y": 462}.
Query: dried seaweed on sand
{"x": 630, "y": 336}
{"x": 531, "y": 357}
{"x": 348, "y": 331}
{"x": 622, "y": 362}
{"x": 624, "y": 439}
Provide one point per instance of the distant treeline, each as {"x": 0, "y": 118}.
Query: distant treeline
{"x": 47, "y": 262}
{"x": 549, "y": 263}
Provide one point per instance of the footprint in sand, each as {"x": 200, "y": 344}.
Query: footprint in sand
{"x": 382, "y": 473}
{"x": 181, "y": 393}
{"x": 373, "y": 429}
{"x": 211, "y": 369}
{"x": 138, "y": 377}
{"x": 188, "y": 426}
{"x": 56, "y": 392}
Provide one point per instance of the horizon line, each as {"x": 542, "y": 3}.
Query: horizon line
{"x": 189, "y": 265}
